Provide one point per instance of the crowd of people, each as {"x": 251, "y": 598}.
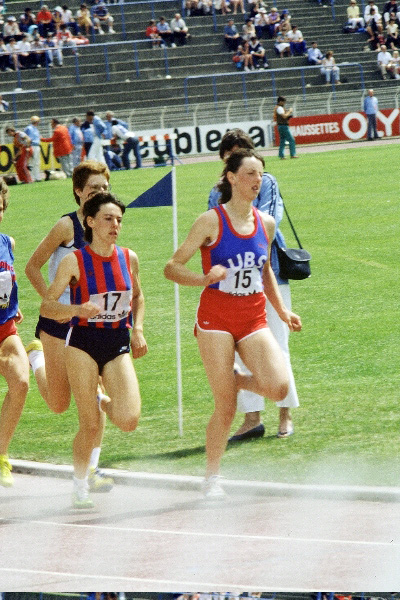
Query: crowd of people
{"x": 31, "y": 41}
{"x": 108, "y": 140}
{"x": 162, "y": 33}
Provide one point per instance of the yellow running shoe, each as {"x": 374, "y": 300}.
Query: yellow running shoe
{"x": 33, "y": 345}
{"x": 6, "y": 479}
{"x": 98, "y": 481}
{"x": 81, "y": 500}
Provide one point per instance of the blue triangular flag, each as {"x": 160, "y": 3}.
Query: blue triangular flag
{"x": 160, "y": 194}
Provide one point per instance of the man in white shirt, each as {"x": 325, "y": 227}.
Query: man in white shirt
{"x": 179, "y": 30}
{"x": 298, "y": 45}
{"x": 130, "y": 142}
{"x": 385, "y": 64}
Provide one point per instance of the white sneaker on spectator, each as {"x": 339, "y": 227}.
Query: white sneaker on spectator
{"x": 247, "y": 69}
{"x": 101, "y": 32}
{"x": 111, "y": 30}
{"x": 173, "y": 45}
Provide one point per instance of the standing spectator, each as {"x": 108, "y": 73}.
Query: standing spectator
{"x": 273, "y": 22}
{"x": 152, "y": 34}
{"x": 45, "y": 21}
{"x": 76, "y": 136}
{"x": 298, "y": 44}
{"x": 62, "y": 146}
{"x": 261, "y": 23}
{"x": 385, "y": 63}
{"x": 258, "y": 53}
{"x": 164, "y": 31}
{"x": 53, "y": 50}
{"x": 282, "y": 116}
{"x": 99, "y": 128}
{"x": 130, "y": 142}
{"x": 248, "y": 30}
{"x": 101, "y": 16}
{"x": 11, "y": 30}
{"x": 329, "y": 69}
{"x": 22, "y": 153}
{"x": 371, "y": 109}
{"x": 314, "y": 54}
{"x": 88, "y": 136}
{"x": 109, "y": 117}
{"x": 231, "y": 35}
{"x": 32, "y": 131}
{"x": 353, "y": 15}
{"x": 179, "y": 30}
{"x": 84, "y": 20}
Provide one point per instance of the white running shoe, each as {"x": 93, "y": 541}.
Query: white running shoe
{"x": 212, "y": 489}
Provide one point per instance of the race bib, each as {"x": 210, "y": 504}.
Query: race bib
{"x": 114, "y": 306}
{"x": 5, "y": 288}
{"x": 242, "y": 282}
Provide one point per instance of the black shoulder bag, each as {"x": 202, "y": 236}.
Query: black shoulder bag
{"x": 294, "y": 263}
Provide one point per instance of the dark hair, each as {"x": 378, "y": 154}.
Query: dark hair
{"x": 90, "y": 113}
{"x": 281, "y": 99}
{"x": 83, "y": 171}
{"x": 233, "y": 164}
{"x": 232, "y": 138}
{"x": 56, "y": 121}
{"x": 92, "y": 207}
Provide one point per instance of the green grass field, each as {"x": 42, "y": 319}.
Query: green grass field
{"x": 346, "y": 360}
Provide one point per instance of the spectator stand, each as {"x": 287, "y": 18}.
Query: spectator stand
{"x": 270, "y": 73}
{"x": 18, "y": 93}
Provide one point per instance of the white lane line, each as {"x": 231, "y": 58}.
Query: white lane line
{"x": 234, "y": 536}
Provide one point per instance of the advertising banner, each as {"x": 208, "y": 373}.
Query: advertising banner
{"x": 341, "y": 127}
{"x": 47, "y": 159}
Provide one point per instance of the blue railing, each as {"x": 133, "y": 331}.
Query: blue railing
{"x": 16, "y": 93}
{"x": 270, "y": 73}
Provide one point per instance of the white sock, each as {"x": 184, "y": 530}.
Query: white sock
{"x": 94, "y": 458}
{"x": 81, "y": 484}
{"x": 36, "y": 359}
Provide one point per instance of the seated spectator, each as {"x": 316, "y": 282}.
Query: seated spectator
{"x": 24, "y": 53}
{"x": 314, "y": 54}
{"x": 11, "y": 30}
{"x": 84, "y": 20}
{"x": 237, "y": 4}
{"x": 13, "y": 49}
{"x": 153, "y": 35}
{"x": 284, "y": 25}
{"x": 390, "y": 6}
{"x": 101, "y": 16}
{"x": 298, "y": 44}
{"x": 247, "y": 57}
{"x": 396, "y": 63}
{"x": 38, "y": 53}
{"x": 164, "y": 31}
{"x": 329, "y": 69}
{"x": 221, "y": 7}
{"x": 45, "y": 21}
{"x": 258, "y": 53}
{"x": 282, "y": 46}
{"x": 248, "y": 29}
{"x": 273, "y": 22}
{"x": 238, "y": 57}
{"x": 385, "y": 63}
{"x": 4, "y": 105}
{"x": 353, "y": 15}
{"x": 253, "y": 7}
{"x": 231, "y": 36}
{"x": 53, "y": 50}
{"x": 57, "y": 17}
{"x": 392, "y": 35}
{"x": 65, "y": 38}
{"x": 68, "y": 19}
{"x": 179, "y": 30}
{"x": 261, "y": 23}
{"x": 4, "y": 57}
{"x": 200, "y": 7}
{"x": 26, "y": 20}
{"x": 367, "y": 11}
{"x": 373, "y": 25}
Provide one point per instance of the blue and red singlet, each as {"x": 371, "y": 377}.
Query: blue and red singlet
{"x": 107, "y": 282}
{"x": 8, "y": 282}
{"x": 236, "y": 304}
